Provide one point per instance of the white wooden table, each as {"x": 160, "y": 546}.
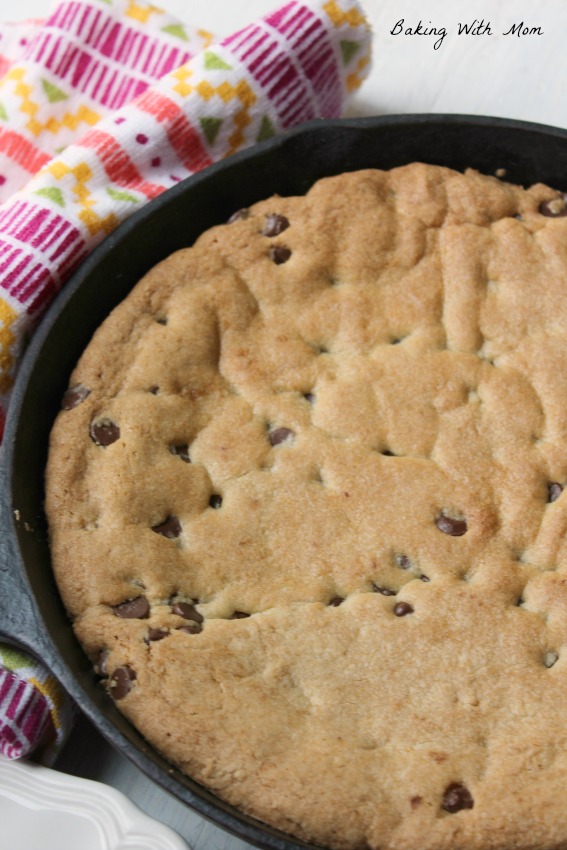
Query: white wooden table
{"x": 514, "y": 76}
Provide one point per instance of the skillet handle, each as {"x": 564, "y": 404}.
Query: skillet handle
{"x": 20, "y": 622}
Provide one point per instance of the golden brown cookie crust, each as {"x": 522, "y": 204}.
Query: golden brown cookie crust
{"x": 321, "y": 456}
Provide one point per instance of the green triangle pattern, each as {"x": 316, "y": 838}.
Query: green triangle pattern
{"x": 12, "y": 659}
{"x": 178, "y": 30}
{"x": 3, "y": 113}
{"x": 266, "y": 130}
{"x": 211, "y": 127}
{"x": 53, "y": 193}
{"x": 117, "y": 195}
{"x": 348, "y": 50}
{"x": 214, "y": 62}
{"x": 52, "y": 92}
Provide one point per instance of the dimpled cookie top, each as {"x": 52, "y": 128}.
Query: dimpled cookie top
{"x": 306, "y": 507}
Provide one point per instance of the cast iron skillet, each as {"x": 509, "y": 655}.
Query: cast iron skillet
{"x": 31, "y": 612}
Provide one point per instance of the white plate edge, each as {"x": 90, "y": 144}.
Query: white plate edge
{"x": 122, "y": 825}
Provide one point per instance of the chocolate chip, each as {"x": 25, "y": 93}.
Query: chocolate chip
{"x": 156, "y": 634}
{"x": 456, "y": 798}
{"x": 280, "y": 254}
{"x": 310, "y": 397}
{"x": 100, "y": 666}
{"x": 403, "y": 562}
{"x": 215, "y": 501}
{"x": 161, "y": 320}
{"x": 239, "y": 214}
{"x": 191, "y": 628}
{"x": 452, "y": 526}
{"x": 238, "y": 615}
{"x": 554, "y": 490}
{"x": 385, "y": 591}
{"x": 133, "y": 609}
{"x": 121, "y": 682}
{"x": 154, "y": 390}
{"x": 104, "y": 432}
{"x": 402, "y": 608}
{"x": 182, "y": 451}
{"x": 170, "y": 528}
{"x": 74, "y": 396}
{"x": 187, "y": 611}
{"x": 424, "y": 578}
{"x": 275, "y": 224}
{"x": 416, "y": 801}
{"x": 280, "y": 435}
{"x": 554, "y": 207}
{"x": 336, "y": 601}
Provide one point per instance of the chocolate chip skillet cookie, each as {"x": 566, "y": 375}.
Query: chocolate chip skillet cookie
{"x": 306, "y": 506}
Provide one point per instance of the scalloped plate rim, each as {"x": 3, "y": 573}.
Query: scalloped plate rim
{"x": 120, "y": 824}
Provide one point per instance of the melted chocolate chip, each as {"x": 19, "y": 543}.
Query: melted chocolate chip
{"x": 187, "y": 611}
{"x": 121, "y": 682}
{"x": 452, "y": 526}
{"x": 162, "y": 320}
{"x": 554, "y": 207}
{"x": 280, "y": 254}
{"x": 74, "y": 396}
{"x": 385, "y": 591}
{"x": 554, "y": 490}
{"x": 336, "y": 601}
{"x": 239, "y": 615}
{"x": 170, "y": 528}
{"x": 104, "y": 432}
{"x": 182, "y": 451}
{"x": 154, "y": 390}
{"x": 191, "y": 628}
{"x": 100, "y": 666}
{"x": 280, "y": 435}
{"x": 275, "y": 224}
{"x": 244, "y": 213}
{"x": 402, "y": 608}
{"x": 215, "y": 501}
{"x": 403, "y": 562}
{"x": 456, "y": 798}
{"x": 156, "y": 634}
{"x": 133, "y": 609}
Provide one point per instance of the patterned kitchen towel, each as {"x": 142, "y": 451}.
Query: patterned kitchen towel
{"x": 96, "y": 155}
{"x": 35, "y": 712}
{"x": 103, "y": 106}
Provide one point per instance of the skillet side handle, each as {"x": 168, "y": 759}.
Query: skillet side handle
{"x": 19, "y": 621}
